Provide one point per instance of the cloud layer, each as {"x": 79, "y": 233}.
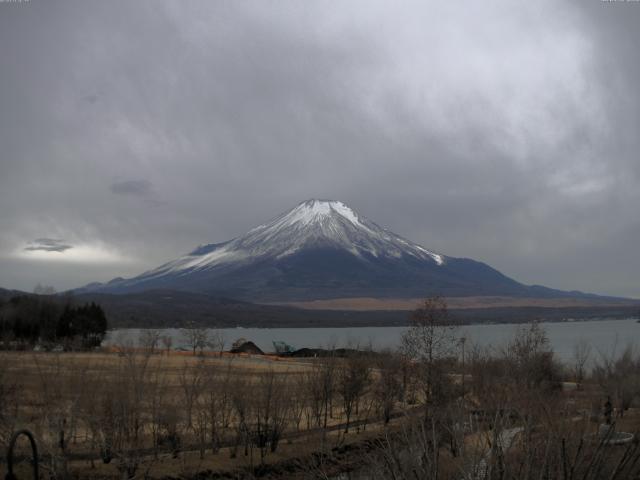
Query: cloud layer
{"x": 501, "y": 132}
{"x": 140, "y": 188}
{"x": 47, "y": 245}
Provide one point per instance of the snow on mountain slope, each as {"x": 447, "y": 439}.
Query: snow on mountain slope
{"x": 324, "y": 223}
{"x": 323, "y": 249}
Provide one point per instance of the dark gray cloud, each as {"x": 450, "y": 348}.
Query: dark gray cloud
{"x": 500, "y": 131}
{"x": 132, "y": 187}
{"x": 47, "y": 245}
{"x": 90, "y": 98}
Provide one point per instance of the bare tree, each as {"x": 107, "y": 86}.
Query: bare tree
{"x": 312, "y": 382}
{"x": 54, "y": 380}
{"x": 169, "y": 421}
{"x": 216, "y": 341}
{"x": 619, "y": 377}
{"x": 89, "y": 410}
{"x": 432, "y": 334}
{"x": 167, "y": 342}
{"x": 122, "y": 414}
{"x": 156, "y": 402}
{"x": 241, "y": 401}
{"x": 581, "y": 354}
{"x": 149, "y": 340}
{"x": 321, "y": 382}
{"x": 532, "y": 360}
{"x": 299, "y": 399}
{"x": 353, "y": 377}
{"x": 270, "y": 407}
{"x": 196, "y": 338}
{"x": 191, "y": 381}
{"x": 218, "y": 403}
{"x": 201, "y": 420}
{"x": 429, "y": 341}
{"x": 9, "y": 404}
{"x": 387, "y": 388}
{"x": 559, "y": 450}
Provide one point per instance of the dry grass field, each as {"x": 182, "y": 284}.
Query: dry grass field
{"x": 409, "y": 304}
{"x": 130, "y": 413}
{"x": 172, "y": 414}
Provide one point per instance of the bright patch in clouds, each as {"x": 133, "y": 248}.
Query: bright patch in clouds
{"x": 61, "y": 252}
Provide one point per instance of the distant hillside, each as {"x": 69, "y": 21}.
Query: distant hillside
{"x": 176, "y": 309}
{"x": 7, "y": 294}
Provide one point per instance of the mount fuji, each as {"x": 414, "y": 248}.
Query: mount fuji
{"x": 323, "y": 249}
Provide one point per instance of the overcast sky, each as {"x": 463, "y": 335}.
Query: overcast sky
{"x": 508, "y": 132}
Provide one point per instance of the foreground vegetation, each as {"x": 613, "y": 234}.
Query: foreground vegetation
{"x": 438, "y": 408}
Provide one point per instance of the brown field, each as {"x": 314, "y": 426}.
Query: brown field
{"x": 133, "y": 414}
{"x": 372, "y": 304}
{"x": 123, "y": 398}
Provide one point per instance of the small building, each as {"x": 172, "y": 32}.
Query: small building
{"x": 247, "y": 347}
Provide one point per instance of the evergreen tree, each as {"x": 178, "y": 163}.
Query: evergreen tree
{"x": 33, "y": 319}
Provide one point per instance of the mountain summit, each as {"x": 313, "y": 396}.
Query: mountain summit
{"x": 323, "y": 249}
{"x": 311, "y": 224}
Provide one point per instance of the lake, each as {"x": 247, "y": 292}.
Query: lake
{"x": 605, "y": 336}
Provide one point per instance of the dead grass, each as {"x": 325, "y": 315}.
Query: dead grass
{"x": 36, "y": 374}
{"x": 409, "y": 304}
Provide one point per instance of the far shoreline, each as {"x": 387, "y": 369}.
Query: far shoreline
{"x": 391, "y": 325}
{"x": 298, "y": 318}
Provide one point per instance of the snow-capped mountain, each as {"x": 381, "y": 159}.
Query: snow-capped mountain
{"x": 322, "y": 249}
{"x": 312, "y": 224}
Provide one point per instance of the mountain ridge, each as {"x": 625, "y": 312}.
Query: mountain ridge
{"x": 323, "y": 249}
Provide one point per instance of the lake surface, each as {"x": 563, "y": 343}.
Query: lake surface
{"x": 605, "y": 336}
